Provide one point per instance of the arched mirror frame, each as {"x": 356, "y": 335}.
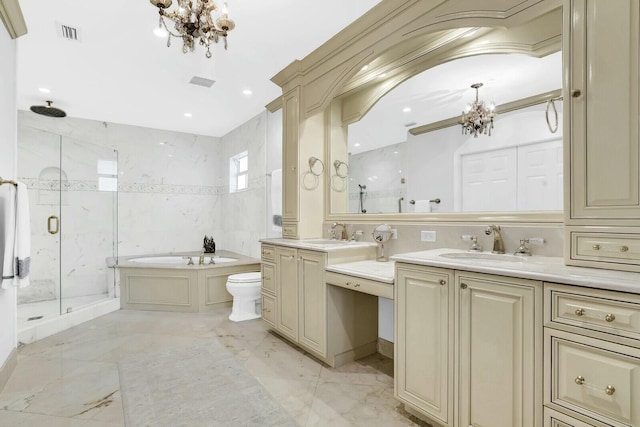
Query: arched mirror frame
{"x": 360, "y": 91}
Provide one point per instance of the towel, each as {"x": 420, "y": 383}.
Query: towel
{"x": 276, "y": 199}
{"x": 423, "y": 206}
{"x": 16, "y": 239}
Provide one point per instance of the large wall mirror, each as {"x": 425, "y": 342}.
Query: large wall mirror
{"x": 396, "y": 145}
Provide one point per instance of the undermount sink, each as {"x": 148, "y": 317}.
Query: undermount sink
{"x": 482, "y": 256}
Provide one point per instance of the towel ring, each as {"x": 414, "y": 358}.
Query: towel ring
{"x": 551, "y": 102}
{"x": 314, "y": 181}
{"x": 338, "y": 164}
{"x": 338, "y": 183}
{"x": 313, "y": 161}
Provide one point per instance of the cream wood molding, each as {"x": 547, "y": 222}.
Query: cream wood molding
{"x": 325, "y": 71}
{"x": 12, "y": 18}
{"x": 274, "y": 105}
{"x": 454, "y": 218}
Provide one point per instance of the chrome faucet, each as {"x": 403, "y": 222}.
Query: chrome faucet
{"x": 498, "y": 244}
{"x": 344, "y": 235}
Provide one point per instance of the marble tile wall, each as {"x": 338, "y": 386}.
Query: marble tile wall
{"x": 243, "y": 218}
{"x": 168, "y": 198}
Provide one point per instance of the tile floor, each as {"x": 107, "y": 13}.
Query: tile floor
{"x": 71, "y": 378}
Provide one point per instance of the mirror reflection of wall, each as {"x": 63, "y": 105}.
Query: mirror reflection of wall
{"x": 517, "y": 168}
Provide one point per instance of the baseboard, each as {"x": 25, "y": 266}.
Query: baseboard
{"x": 385, "y": 348}
{"x": 7, "y": 369}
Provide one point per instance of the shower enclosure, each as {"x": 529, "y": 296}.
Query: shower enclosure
{"x": 73, "y": 202}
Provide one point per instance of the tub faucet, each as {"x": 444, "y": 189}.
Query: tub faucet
{"x": 344, "y": 235}
{"x": 498, "y": 244}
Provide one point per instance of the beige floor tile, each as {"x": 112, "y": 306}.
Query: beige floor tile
{"x": 71, "y": 378}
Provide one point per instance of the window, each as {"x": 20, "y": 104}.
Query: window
{"x": 107, "y": 175}
{"x": 239, "y": 172}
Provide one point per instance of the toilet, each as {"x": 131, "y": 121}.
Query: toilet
{"x": 245, "y": 289}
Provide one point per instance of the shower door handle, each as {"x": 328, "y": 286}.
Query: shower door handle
{"x": 49, "y": 224}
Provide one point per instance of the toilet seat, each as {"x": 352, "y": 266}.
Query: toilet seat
{"x": 254, "y": 276}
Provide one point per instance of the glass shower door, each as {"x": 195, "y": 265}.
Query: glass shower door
{"x": 73, "y": 204}
{"x": 39, "y": 168}
{"x": 89, "y": 222}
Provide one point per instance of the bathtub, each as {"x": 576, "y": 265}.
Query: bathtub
{"x": 184, "y": 260}
{"x": 169, "y": 283}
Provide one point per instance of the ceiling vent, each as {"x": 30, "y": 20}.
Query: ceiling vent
{"x": 201, "y": 81}
{"x": 68, "y": 32}
{"x": 410, "y": 124}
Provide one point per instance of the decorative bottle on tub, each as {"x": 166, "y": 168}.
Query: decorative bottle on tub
{"x": 209, "y": 245}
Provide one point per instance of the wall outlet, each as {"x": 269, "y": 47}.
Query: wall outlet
{"x": 428, "y": 236}
{"x": 394, "y": 233}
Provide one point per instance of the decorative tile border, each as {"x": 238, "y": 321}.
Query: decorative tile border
{"x": 128, "y": 187}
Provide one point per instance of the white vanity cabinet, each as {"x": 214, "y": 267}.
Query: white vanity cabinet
{"x": 468, "y": 347}
{"x": 602, "y": 157}
{"x": 592, "y": 355}
{"x": 295, "y": 300}
{"x": 424, "y": 338}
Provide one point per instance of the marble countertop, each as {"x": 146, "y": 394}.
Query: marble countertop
{"x": 123, "y": 261}
{"x": 322, "y": 245}
{"x": 369, "y": 269}
{"x": 549, "y": 269}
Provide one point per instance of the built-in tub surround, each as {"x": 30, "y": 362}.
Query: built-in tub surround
{"x": 169, "y": 283}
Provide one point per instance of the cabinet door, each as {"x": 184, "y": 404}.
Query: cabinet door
{"x": 424, "y": 340}
{"x": 603, "y": 55}
{"x": 287, "y": 292}
{"x": 312, "y": 301}
{"x": 499, "y": 351}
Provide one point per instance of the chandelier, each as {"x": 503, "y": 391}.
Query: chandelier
{"x": 476, "y": 118}
{"x": 193, "y": 21}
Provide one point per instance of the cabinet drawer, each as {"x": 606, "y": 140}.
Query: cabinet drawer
{"x": 358, "y": 284}
{"x": 290, "y": 230}
{"x": 604, "y": 311}
{"x": 268, "y": 252}
{"x": 593, "y": 377}
{"x": 556, "y": 419}
{"x": 269, "y": 309}
{"x": 613, "y": 247}
{"x": 269, "y": 278}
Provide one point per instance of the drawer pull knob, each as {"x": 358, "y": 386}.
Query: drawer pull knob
{"x": 596, "y": 247}
{"x": 357, "y": 285}
{"x": 610, "y": 317}
{"x": 348, "y": 283}
{"x": 575, "y": 93}
{"x": 610, "y": 390}
{"x": 579, "y": 311}
{"x": 624, "y": 248}
{"x": 579, "y": 380}
{"x": 443, "y": 282}
{"x": 267, "y": 310}
{"x": 463, "y": 286}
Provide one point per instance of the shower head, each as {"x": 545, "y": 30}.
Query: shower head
{"x": 48, "y": 110}
{"x": 362, "y": 187}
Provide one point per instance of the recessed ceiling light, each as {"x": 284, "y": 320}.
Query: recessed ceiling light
{"x": 160, "y": 32}
{"x": 164, "y": 143}
{"x": 406, "y": 110}
{"x": 170, "y": 155}
{"x": 188, "y": 115}
{"x": 44, "y": 90}
{"x": 247, "y": 92}
{"x": 395, "y": 152}
{"x": 356, "y": 145}
{"x": 364, "y": 68}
